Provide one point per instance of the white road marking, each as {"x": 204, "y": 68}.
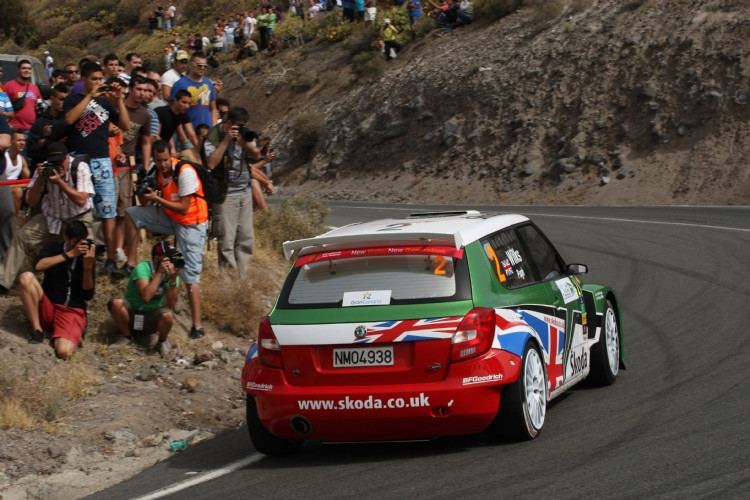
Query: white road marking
{"x": 176, "y": 487}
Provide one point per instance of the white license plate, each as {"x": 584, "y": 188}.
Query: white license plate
{"x": 370, "y": 356}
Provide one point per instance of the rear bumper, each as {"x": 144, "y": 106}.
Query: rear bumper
{"x": 465, "y": 402}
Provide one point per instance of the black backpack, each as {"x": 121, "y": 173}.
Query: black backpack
{"x": 211, "y": 190}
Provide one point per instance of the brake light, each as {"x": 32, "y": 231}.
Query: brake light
{"x": 474, "y": 335}
{"x": 269, "y": 350}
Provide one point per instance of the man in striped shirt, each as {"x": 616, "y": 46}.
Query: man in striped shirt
{"x": 65, "y": 198}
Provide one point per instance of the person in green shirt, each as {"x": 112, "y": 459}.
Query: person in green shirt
{"x": 151, "y": 294}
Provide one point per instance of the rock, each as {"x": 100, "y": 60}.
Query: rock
{"x": 202, "y": 355}
{"x": 54, "y": 451}
{"x": 190, "y": 384}
{"x": 217, "y": 346}
{"x": 647, "y": 90}
{"x": 146, "y": 375}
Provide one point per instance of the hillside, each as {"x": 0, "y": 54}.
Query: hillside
{"x": 620, "y": 103}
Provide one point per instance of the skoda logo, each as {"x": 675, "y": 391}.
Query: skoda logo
{"x": 360, "y": 332}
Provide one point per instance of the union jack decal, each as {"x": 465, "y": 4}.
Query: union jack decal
{"x": 411, "y": 330}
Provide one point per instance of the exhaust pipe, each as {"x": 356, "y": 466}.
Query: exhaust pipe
{"x": 301, "y": 425}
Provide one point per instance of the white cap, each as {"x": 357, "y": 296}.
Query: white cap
{"x": 386, "y": 21}
{"x": 46, "y": 52}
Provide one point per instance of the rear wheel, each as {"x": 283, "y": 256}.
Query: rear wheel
{"x": 264, "y": 441}
{"x": 523, "y": 405}
{"x": 605, "y": 354}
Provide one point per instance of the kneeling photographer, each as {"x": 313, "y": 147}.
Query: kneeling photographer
{"x": 151, "y": 293}
{"x": 66, "y": 190}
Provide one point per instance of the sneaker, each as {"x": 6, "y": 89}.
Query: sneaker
{"x": 120, "y": 255}
{"x": 196, "y": 332}
{"x": 123, "y": 340}
{"x": 36, "y": 337}
{"x": 109, "y": 268}
{"x": 124, "y": 271}
{"x": 163, "y": 347}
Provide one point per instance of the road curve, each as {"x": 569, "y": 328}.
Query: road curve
{"x": 674, "y": 425}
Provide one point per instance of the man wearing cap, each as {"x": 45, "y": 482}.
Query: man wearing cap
{"x": 142, "y": 311}
{"x": 203, "y": 104}
{"x": 58, "y": 304}
{"x": 49, "y": 63}
{"x": 65, "y": 198}
{"x": 170, "y": 77}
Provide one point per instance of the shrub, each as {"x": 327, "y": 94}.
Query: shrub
{"x": 302, "y": 216}
{"x": 78, "y": 35}
{"x": 306, "y": 132}
{"x": 368, "y": 64}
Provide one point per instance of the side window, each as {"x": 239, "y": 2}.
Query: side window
{"x": 508, "y": 259}
{"x": 541, "y": 253}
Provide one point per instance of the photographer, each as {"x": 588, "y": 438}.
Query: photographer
{"x": 152, "y": 283}
{"x": 66, "y": 197}
{"x": 58, "y": 305}
{"x": 226, "y": 148}
{"x": 176, "y": 207}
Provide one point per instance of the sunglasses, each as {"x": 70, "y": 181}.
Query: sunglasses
{"x": 201, "y": 65}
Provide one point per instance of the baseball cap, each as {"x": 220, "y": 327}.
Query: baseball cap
{"x": 46, "y": 52}
{"x": 386, "y": 21}
{"x": 182, "y": 55}
{"x": 162, "y": 248}
{"x": 56, "y": 152}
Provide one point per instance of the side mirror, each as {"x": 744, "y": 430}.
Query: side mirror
{"x": 576, "y": 269}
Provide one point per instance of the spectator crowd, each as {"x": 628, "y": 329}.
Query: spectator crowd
{"x": 116, "y": 148}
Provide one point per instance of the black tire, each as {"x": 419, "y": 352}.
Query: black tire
{"x": 523, "y": 404}
{"x": 264, "y": 441}
{"x": 605, "y": 354}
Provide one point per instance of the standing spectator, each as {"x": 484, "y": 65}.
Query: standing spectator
{"x": 23, "y": 87}
{"x": 151, "y": 293}
{"x": 49, "y": 63}
{"x": 170, "y": 77}
{"x": 135, "y": 150}
{"x": 89, "y": 115}
{"x": 370, "y": 12}
{"x": 172, "y": 15}
{"x": 168, "y": 57}
{"x": 153, "y": 23}
{"x": 226, "y": 150}
{"x": 248, "y": 25}
{"x": 146, "y": 62}
{"x": 263, "y": 21}
{"x": 59, "y": 303}
{"x": 389, "y": 37}
{"x": 415, "y": 13}
{"x": 16, "y": 166}
{"x": 156, "y": 100}
{"x": 228, "y": 36}
{"x": 111, "y": 66}
{"x": 50, "y": 126}
{"x": 6, "y": 108}
{"x": 173, "y": 119}
{"x": 65, "y": 198}
{"x": 359, "y": 10}
{"x": 78, "y": 86}
{"x": 132, "y": 61}
{"x": 201, "y": 89}
{"x": 58, "y": 76}
{"x": 71, "y": 74}
{"x": 348, "y": 10}
{"x": 178, "y": 208}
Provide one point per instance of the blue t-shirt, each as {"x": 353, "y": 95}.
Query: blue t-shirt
{"x": 5, "y": 105}
{"x": 202, "y": 94}
{"x": 4, "y": 129}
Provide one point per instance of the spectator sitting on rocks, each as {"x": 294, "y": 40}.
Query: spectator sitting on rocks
{"x": 59, "y": 303}
{"x": 142, "y": 311}
{"x": 459, "y": 13}
{"x": 249, "y": 49}
{"x": 274, "y": 47}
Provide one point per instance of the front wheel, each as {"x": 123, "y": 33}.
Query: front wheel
{"x": 605, "y": 354}
{"x": 264, "y": 441}
{"x": 523, "y": 404}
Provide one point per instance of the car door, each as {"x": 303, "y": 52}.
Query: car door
{"x": 566, "y": 295}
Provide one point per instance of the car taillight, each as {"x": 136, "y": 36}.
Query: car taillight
{"x": 474, "y": 335}
{"x": 269, "y": 350}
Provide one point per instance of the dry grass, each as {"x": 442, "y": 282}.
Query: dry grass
{"x": 29, "y": 399}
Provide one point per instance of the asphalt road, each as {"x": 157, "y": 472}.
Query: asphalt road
{"x": 674, "y": 425}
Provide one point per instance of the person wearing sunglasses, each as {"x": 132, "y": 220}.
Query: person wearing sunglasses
{"x": 203, "y": 103}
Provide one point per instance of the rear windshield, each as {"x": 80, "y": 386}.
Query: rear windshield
{"x": 382, "y": 276}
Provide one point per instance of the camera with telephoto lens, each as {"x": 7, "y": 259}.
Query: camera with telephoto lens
{"x": 145, "y": 180}
{"x": 246, "y": 133}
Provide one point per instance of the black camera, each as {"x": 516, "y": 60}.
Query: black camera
{"x": 246, "y": 133}
{"x": 176, "y": 259}
{"x": 89, "y": 242}
{"x": 145, "y": 180}
{"x": 48, "y": 169}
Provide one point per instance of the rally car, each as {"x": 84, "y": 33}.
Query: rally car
{"x": 425, "y": 326}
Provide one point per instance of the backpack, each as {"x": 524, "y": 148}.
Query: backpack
{"x": 211, "y": 190}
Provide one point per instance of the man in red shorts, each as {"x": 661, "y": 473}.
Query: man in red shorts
{"x": 58, "y": 304}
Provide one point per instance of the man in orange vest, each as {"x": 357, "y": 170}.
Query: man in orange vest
{"x": 181, "y": 210}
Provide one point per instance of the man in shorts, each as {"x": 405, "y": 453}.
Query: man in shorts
{"x": 152, "y": 285}
{"x": 58, "y": 304}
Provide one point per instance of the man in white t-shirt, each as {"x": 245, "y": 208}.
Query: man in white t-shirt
{"x": 170, "y": 77}
{"x": 49, "y": 64}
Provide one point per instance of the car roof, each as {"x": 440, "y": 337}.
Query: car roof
{"x": 456, "y": 229}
